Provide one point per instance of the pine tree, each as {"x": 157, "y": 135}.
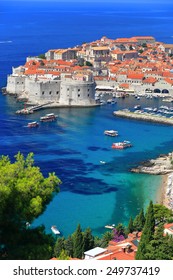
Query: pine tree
{"x": 130, "y": 227}
{"x": 68, "y": 244}
{"x": 139, "y": 221}
{"x": 63, "y": 255}
{"x": 59, "y": 246}
{"x": 78, "y": 243}
{"x": 147, "y": 233}
{"x": 88, "y": 240}
{"x": 161, "y": 247}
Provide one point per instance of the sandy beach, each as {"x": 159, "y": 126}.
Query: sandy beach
{"x": 166, "y": 195}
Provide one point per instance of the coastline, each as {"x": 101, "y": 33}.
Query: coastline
{"x": 166, "y": 194}
{"x": 163, "y": 165}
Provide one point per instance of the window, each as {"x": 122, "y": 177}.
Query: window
{"x": 88, "y": 95}
{"x": 78, "y": 95}
{"x": 50, "y": 92}
{"x": 78, "y": 89}
{"x": 42, "y": 92}
{"x": 57, "y": 92}
{"x": 88, "y": 89}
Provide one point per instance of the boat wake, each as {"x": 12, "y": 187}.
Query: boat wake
{"x": 6, "y": 42}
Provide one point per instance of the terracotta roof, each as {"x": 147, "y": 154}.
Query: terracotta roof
{"x": 150, "y": 80}
{"x": 143, "y": 37}
{"x": 135, "y": 76}
{"x": 100, "y": 48}
{"x": 124, "y": 85}
{"x": 169, "y": 81}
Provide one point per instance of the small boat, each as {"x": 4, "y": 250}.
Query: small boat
{"x": 109, "y": 101}
{"x": 110, "y": 226}
{"x": 102, "y": 162}
{"x": 55, "y": 230}
{"x": 121, "y": 145}
{"x": 48, "y": 117}
{"x": 137, "y": 107}
{"x": 111, "y": 132}
{"x": 33, "y": 124}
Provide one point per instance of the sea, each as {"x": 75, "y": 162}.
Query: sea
{"x": 92, "y": 194}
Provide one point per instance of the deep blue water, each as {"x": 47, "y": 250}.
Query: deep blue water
{"x": 91, "y": 194}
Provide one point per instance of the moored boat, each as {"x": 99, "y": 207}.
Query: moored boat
{"x": 136, "y": 107}
{"x": 121, "y": 145}
{"x": 48, "y": 117}
{"x": 55, "y": 230}
{"x": 111, "y": 132}
{"x": 33, "y": 124}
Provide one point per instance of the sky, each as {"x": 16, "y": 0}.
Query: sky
{"x": 114, "y": 1}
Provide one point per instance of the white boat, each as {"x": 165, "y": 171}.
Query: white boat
{"x": 102, "y": 162}
{"x": 110, "y": 226}
{"x": 55, "y": 230}
{"x": 48, "y": 117}
{"x": 111, "y": 132}
{"x": 33, "y": 124}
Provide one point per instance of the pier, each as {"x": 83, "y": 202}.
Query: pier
{"x": 143, "y": 117}
{"x": 30, "y": 110}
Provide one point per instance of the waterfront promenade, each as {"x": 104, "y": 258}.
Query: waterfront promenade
{"x": 143, "y": 117}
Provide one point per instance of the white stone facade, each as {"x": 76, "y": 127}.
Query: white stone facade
{"x": 67, "y": 91}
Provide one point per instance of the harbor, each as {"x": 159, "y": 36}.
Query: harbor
{"x": 141, "y": 116}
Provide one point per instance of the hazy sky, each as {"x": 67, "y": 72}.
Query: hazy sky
{"x": 115, "y": 1}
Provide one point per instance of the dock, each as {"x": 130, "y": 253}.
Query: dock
{"x": 143, "y": 117}
{"x": 31, "y": 110}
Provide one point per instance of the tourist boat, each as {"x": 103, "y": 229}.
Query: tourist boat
{"x": 111, "y": 132}
{"x": 33, "y": 124}
{"x": 48, "y": 117}
{"x": 121, "y": 145}
{"x": 55, "y": 230}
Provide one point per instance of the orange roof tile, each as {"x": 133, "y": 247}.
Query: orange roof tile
{"x": 135, "y": 76}
{"x": 149, "y": 80}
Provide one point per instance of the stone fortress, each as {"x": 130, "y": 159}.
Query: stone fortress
{"x": 77, "y": 89}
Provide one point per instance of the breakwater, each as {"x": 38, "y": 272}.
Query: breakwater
{"x": 143, "y": 117}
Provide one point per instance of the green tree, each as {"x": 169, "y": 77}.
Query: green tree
{"x": 130, "y": 227}
{"x": 162, "y": 214}
{"x": 120, "y": 229}
{"x": 147, "y": 233}
{"x": 59, "y": 246}
{"x": 88, "y": 240}
{"x": 24, "y": 195}
{"x": 160, "y": 248}
{"x": 139, "y": 221}
{"x": 30, "y": 244}
{"x": 42, "y": 56}
{"x": 68, "y": 244}
{"x": 88, "y": 63}
{"x": 63, "y": 255}
{"x": 78, "y": 243}
{"x": 106, "y": 237}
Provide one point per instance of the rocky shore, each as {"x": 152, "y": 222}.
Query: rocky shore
{"x": 160, "y": 166}
{"x": 163, "y": 165}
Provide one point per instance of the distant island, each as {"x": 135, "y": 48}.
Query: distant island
{"x": 74, "y": 76}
